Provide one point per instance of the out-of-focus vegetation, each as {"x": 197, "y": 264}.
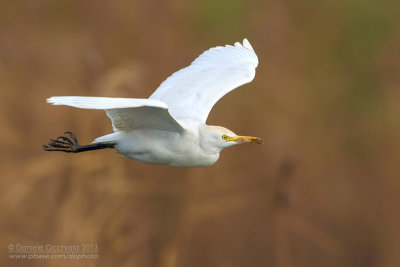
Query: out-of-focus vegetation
{"x": 322, "y": 191}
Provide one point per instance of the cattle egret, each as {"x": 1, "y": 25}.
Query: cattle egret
{"x": 169, "y": 127}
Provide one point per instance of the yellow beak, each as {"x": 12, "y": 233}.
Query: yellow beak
{"x": 246, "y": 139}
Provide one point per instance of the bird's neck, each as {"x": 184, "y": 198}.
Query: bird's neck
{"x": 208, "y": 140}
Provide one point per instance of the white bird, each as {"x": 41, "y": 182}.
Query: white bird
{"x": 169, "y": 127}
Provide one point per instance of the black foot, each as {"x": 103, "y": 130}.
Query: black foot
{"x": 63, "y": 143}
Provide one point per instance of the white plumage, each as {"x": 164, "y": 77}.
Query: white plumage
{"x": 169, "y": 127}
{"x": 193, "y": 91}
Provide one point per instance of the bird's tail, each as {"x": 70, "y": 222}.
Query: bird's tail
{"x": 109, "y": 138}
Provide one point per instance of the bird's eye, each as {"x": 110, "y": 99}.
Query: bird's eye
{"x": 225, "y": 137}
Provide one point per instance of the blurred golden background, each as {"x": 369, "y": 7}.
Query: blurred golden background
{"x": 322, "y": 191}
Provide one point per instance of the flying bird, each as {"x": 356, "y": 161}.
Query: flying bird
{"x": 170, "y": 126}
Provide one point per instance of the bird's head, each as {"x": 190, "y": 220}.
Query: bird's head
{"x": 219, "y": 138}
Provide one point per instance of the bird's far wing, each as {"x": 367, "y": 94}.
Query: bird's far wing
{"x": 126, "y": 114}
{"x": 192, "y": 92}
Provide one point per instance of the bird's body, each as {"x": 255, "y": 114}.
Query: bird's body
{"x": 169, "y": 127}
{"x": 164, "y": 147}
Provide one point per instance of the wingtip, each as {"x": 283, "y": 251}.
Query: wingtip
{"x": 51, "y": 100}
{"x": 247, "y": 44}
{"x": 55, "y": 100}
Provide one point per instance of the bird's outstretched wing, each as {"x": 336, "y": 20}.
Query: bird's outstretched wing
{"x": 192, "y": 92}
{"x": 126, "y": 114}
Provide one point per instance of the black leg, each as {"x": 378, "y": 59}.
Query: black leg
{"x": 70, "y": 144}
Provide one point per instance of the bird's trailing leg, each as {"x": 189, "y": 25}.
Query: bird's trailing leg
{"x": 70, "y": 144}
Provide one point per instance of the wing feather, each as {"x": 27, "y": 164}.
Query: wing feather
{"x": 126, "y": 114}
{"x": 104, "y": 102}
{"x": 156, "y": 118}
{"x": 192, "y": 91}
